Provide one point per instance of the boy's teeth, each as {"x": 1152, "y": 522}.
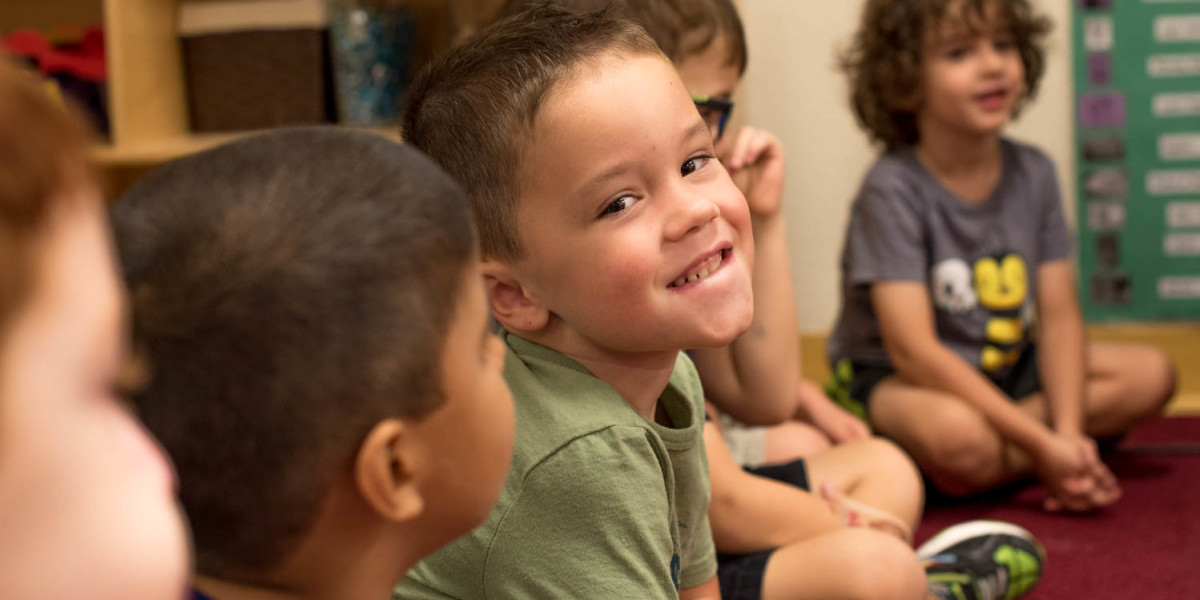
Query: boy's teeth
{"x": 706, "y": 268}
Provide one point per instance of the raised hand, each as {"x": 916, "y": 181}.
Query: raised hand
{"x": 754, "y": 158}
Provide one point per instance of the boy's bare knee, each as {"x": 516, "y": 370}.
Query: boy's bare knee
{"x": 1162, "y": 381}
{"x": 887, "y": 452}
{"x": 965, "y": 461}
{"x": 1149, "y": 383}
{"x": 889, "y": 569}
{"x": 965, "y": 476}
{"x": 885, "y": 456}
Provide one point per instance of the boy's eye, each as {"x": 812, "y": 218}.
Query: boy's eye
{"x": 1004, "y": 45}
{"x": 957, "y": 53}
{"x": 618, "y": 205}
{"x": 694, "y": 164}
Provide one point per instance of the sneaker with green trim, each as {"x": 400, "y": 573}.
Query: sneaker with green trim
{"x": 982, "y": 560}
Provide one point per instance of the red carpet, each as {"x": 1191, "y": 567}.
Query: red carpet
{"x": 1145, "y": 546}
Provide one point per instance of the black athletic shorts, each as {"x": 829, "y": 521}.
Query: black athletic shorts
{"x": 741, "y": 575}
{"x": 855, "y": 382}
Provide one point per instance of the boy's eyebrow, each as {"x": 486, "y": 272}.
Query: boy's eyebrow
{"x": 611, "y": 173}
{"x": 700, "y": 128}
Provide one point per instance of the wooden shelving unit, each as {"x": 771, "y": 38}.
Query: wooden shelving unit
{"x": 147, "y": 96}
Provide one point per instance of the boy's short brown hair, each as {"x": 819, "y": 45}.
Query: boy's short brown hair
{"x": 681, "y": 28}
{"x": 289, "y": 292}
{"x": 43, "y": 155}
{"x": 884, "y": 63}
{"x": 473, "y": 110}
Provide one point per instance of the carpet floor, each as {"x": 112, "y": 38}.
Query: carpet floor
{"x": 1147, "y": 545}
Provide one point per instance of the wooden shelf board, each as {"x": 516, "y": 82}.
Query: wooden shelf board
{"x": 170, "y": 148}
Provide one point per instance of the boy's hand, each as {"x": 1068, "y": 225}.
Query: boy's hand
{"x": 754, "y": 159}
{"x": 1075, "y": 478}
{"x": 856, "y": 514}
{"x": 833, "y": 420}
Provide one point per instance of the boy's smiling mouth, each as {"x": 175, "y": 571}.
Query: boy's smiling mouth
{"x": 993, "y": 99}
{"x": 702, "y": 268}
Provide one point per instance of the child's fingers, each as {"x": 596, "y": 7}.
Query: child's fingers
{"x": 857, "y": 514}
{"x": 1107, "y": 489}
{"x": 752, "y": 146}
{"x": 1052, "y": 504}
{"x": 1075, "y": 494}
{"x": 738, "y": 154}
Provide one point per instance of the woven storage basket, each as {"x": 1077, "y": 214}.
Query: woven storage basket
{"x": 255, "y": 63}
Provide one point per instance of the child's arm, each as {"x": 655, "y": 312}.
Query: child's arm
{"x": 750, "y": 513}
{"x": 1060, "y": 337}
{"x": 1062, "y": 363}
{"x": 754, "y": 378}
{"x": 905, "y": 318}
{"x": 709, "y": 590}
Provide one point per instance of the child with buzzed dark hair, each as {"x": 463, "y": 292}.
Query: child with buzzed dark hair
{"x": 322, "y": 370}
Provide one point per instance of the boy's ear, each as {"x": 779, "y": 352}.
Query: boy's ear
{"x": 385, "y": 471}
{"x": 512, "y": 304}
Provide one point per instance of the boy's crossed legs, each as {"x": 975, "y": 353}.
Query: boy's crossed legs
{"x": 963, "y": 454}
{"x": 815, "y": 554}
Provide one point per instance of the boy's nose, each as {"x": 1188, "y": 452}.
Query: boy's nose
{"x": 992, "y": 60}
{"x": 690, "y": 212}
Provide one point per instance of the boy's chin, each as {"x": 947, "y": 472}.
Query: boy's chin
{"x": 723, "y": 334}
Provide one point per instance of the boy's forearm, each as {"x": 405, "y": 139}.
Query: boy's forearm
{"x": 1062, "y": 363}
{"x": 939, "y": 368}
{"x": 758, "y": 514}
{"x": 709, "y": 590}
{"x": 766, "y": 358}
{"x": 754, "y": 378}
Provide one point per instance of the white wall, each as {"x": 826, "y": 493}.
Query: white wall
{"x": 794, "y": 89}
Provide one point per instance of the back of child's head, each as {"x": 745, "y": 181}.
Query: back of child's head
{"x": 473, "y": 110}
{"x": 886, "y": 60}
{"x": 86, "y": 502}
{"x": 290, "y": 292}
{"x": 681, "y": 28}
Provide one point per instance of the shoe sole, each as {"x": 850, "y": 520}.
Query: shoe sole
{"x": 954, "y": 534}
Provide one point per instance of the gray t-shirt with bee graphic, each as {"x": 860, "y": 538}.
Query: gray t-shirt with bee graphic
{"x": 979, "y": 261}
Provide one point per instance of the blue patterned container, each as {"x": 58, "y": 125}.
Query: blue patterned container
{"x": 372, "y": 49}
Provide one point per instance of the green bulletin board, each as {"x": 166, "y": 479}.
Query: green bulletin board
{"x": 1137, "y": 82}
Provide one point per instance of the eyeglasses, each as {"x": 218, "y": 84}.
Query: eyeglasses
{"x": 715, "y": 113}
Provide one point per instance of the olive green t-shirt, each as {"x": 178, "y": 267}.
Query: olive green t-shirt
{"x": 600, "y": 502}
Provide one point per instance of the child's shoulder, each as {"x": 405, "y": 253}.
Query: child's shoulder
{"x": 896, "y": 178}
{"x": 898, "y": 164}
{"x": 1027, "y": 157}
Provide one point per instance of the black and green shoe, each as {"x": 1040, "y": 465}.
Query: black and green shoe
{"x": 982, "y": 560}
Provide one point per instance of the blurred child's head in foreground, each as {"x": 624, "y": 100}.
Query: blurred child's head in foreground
{"x": 87, "y": 505}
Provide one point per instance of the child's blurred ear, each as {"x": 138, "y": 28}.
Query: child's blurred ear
{"x": 386, "y": 471}
{"x": 511, "y": 302}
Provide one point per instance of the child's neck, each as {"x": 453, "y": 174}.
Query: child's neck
{"x": 968, "y": 165}
{"x": 348, "y": 555}
{"x": 640, "y": 381}
{"x": 639, "y": 378}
